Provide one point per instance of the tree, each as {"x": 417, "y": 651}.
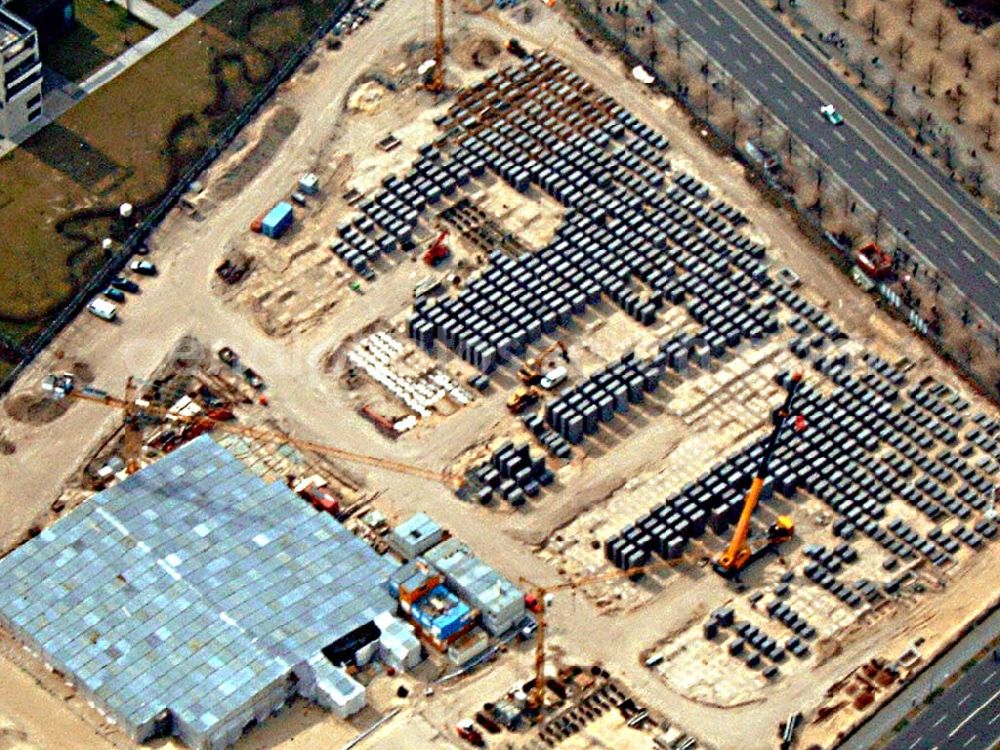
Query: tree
{"x": 995, "y": 85}
{"x": 890, "y": 97}
{"x": 861, "y": 65}
{"x": 940, "y": 30}
{"x": 948, "y": 148}
{"x": 788, "y": 144}
{"x": 677, "y": 36}
{"x": 957, "y": 97}
{"x": 733, "y": 92}
{"x": 930, "y": 75}
{"x": 968, "y": 59}
{"x": 760, "y": 120}
{"x": 845, "y": 10}
{"x": 923, "y": 121}
{"x": 878, "y": 220}
{"x": 988, "y": 127}
{"x": 911, "y": 8}
{"x": 902, "y": 48}
{"x": 872, "y": 24}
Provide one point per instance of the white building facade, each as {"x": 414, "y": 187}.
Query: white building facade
{"x": 20, "y": 75}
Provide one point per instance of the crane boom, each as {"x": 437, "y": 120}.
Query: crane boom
{"x": 136, "y": 407}
{"x": 437, "y": 82}
{"x": 738, "y": 553}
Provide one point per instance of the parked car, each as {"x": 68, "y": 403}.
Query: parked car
{"x": 831, "y": 114}
{"x": 114, "y": 294}
{"x": 228, "y": 356}
{"x": 553, "y": 378}
{"x": 144, "y": 267}
{"x": 102, "y": 309}
{"x": 255, "y": 380}
{"x": 125, "y": 285}
{"x": 299, "y": 198}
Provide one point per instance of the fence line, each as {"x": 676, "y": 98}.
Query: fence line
{"x": 114, "y": 264}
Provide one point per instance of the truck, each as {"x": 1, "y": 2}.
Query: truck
{"x": 874, "y": 261}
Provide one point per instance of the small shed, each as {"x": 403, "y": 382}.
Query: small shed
{"x": 309, "y": 184}
{"x": 277, "y": 220}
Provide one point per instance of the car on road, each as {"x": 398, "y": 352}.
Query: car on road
{"x": 144, "y": 267}
{"x": 125, "y": 285}
{"x": 831, "y": 114}
{"x": 102, "y": 309}
{"x": 117, "y": 295}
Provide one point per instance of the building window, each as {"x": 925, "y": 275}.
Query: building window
{"x": 34, "y": 101}
{"x": 32, "y": 116}
{"x": 17, "y": 88}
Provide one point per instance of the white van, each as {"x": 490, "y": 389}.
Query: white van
{"x": 102, "y": 309}
{"x": 553, "y": 377}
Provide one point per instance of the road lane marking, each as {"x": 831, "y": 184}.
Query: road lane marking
{"x": 735, "y": 38}
{"x": 719, "y": 44}
{"x": 969, "y": 718}
{"x": 777, "y": 78}
{"x": 948, "y": 237}
{"x": 992, "y": 278}
{"x": 940, "y": 721}
{"x": 715, "y": 20}
{"x": 969, "y": 741}
{"x": 881, "y": 174}
{"x": 915, "y": 742}
{"x": 995, "y": 718}
{"x": 967, "y": 695}
{"x": 696, "y": 2}
{"x": 968, "y": 256}
{"x": 903, "y": 195}
{"x": 952, "y": 261}
{"x": 825, "y": 144}
{"x": 842, "y": 139}
{"x": 797, "y": 95}
{"x": 783, "y": 104}
{"x": 861, "y": 156}
{"x": 868, "y": 182}
{"x": 701, "y": 27}
{"x": 924, "y": 215}
{"x": 991, "y": 675}
{"x": 742, "y": 65}
{"x": 753, "y": 56}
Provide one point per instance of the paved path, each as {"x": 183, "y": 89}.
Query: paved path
{"x": 58, "y": 103}
{"x": 146, "y": 12}
{"x": 867, "y": 152}
{"x": 929, "y": 725}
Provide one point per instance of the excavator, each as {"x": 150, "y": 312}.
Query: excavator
{"x": 531, "y": 371}
{"x": 740, "y": 551}
{"x": 531, "y": 375}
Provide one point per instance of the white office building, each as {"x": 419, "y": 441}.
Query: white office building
{"x": 21, "y": 79}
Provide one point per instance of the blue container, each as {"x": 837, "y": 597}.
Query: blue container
{"x": 277, "y": 220}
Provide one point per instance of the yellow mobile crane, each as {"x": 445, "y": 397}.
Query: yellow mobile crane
{"x": 740, "y": 553}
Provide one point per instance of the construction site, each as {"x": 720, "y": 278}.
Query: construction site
{"x": 497, "y": 409}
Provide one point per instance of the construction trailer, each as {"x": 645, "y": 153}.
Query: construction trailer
{"x": 277, "y": 221}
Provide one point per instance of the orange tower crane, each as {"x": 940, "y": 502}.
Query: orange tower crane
{"x": 135, "y": 408}
{"x": 437, "y": 82}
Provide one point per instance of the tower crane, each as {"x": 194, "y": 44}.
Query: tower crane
{"x": 740, "y": 553}
{"x": 436, "y": 84}
{"x": 62, "y": 385}
{"x": 536, "y": 602}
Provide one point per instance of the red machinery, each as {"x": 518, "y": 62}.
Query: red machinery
{"x": 874, "y": 261}
{"x": 468, "y": 732}
{"x": 438, "y": 251}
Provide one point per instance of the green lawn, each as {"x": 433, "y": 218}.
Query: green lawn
{"x": 129, "y": 141}
{"x": 102, "y": 32}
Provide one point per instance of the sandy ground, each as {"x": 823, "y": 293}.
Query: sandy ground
{"x": 181, "y": 301}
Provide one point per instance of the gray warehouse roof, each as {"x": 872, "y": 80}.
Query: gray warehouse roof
{"x": 193, "y": 585}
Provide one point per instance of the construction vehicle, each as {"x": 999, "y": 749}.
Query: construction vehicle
{"x": 438, "y": 251}
{"x": 874, "y": 261}
{"x": 522, "y": 398}
{"x": 62, "y": 385}
{"x": 468, "y": 732}
{"x": 740, "y": 552}
{"x": 531, "y": 371}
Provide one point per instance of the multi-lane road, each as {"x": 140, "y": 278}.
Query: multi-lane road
{"x": 866, "y": 152}
{"x": 966, "y": 716}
